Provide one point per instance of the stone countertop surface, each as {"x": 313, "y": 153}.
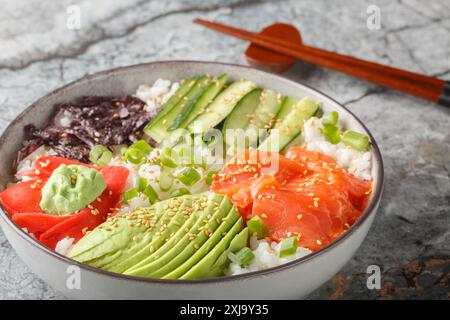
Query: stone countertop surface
{"x": 410, "y": 238}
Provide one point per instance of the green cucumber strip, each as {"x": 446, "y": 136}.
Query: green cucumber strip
{"x": 205, "y": 99}
{"x": 245, "y": 108}
{"x": 265, "y": 115}
{"x": 221, "y": 107}
{"x": 159, "y": 131}
{"x": 190, "y": 105}
{"x": 286, "y": 107}
{"x": 185, "y": 86}
{"x": 291, "y": 126}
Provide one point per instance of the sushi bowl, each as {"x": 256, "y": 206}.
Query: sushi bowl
{"x": 56, "y": 261}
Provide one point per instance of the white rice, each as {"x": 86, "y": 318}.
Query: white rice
{"x": 267, "y": 255}
{"x": 355, "y": 162}
{"x": 27, "y": 163}
{"x": 64, "y": 246}
{"x": 157, "y": 94}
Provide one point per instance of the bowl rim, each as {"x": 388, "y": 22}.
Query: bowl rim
{"x": 370, "y": 210}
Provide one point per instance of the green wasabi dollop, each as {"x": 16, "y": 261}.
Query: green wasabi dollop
{"x": 71, "y": 188}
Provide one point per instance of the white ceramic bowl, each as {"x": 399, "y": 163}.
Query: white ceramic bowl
{"x": 293, "y": 280}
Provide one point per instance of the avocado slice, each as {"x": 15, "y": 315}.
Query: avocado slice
{"x": 111, "y": 236}
{"x": 239, "y": 241}
{"x": 92, "y": 251}
{"x": 206, "y": 247}
{"x": 172, "y": 220}
{"x": 120, "y": 237}
{"x": 186, "y": 247}
{"x": 179, "y": 240}
{"x": 291, "y": 126}
{"x": 211, "y": 266}
{"x": 119, "y": 261}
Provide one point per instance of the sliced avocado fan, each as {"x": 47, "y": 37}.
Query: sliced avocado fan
{"x": 119, "y": 239}
{"x": 187, "y": 237}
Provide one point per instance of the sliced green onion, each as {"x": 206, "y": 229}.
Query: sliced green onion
{"x": 210, "y": 177}
{"x": 186, "y": 154}
{"x": 356, "y": 140}
{"x": 288, "y": 246}
{"x": 330, "y": 118}
{"x": 151, "y": 194}
{"x": 189, "y": 176}
{"x": 165, "y": 181}
{"x": 331, "y": 133}
{"x": 257, "y": 227}
{"x": 100, "y": 155}
{"x": 141, "y": 184}
{"x": 130, "y": 194}
{"x": 179, "y": 192}
{"x": 167, "y": 158}
{"x": 137, "y": 152}
{"x": 243, "y": 256}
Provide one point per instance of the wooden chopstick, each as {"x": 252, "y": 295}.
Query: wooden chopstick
{"x": 422, "y": 86}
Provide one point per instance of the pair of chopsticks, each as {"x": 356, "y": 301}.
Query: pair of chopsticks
{"x": 415, "y": 84}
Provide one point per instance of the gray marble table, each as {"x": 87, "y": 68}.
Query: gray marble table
{"x": 410, "y": 238}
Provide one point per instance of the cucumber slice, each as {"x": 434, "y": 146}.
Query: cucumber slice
{"x": 185, "y": 86}
{"x": 291, "y": 126}
{"x": 159, "y": 131}
{"x": 297, "y": 141}
{"x": 205, "y": 99}
{"x": 190, "y": 105}
{"x": 221, "y": 107}
{"x": 286, "y": 107}
{"x": 240, "y": 116}
{"x": 264, "y": 118}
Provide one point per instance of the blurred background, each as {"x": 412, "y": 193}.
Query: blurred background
{"x": 45, "y": 44}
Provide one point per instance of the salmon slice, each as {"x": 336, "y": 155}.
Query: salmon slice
{"x": 307, "y": 195}
{"x": 252, "y": 169}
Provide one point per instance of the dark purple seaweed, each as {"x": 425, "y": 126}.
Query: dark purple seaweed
{"x": 90, "y": 120}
